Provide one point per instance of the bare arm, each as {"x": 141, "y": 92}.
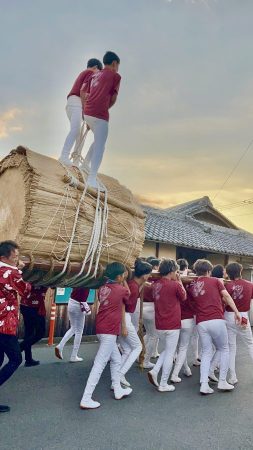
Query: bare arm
{"x": 227, "y": 299}
{"x": 113, "y": 100}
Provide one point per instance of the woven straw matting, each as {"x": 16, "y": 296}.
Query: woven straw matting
{"x": 38, "y": 206}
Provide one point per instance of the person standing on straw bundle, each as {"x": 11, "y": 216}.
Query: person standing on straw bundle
{"x": 74, "y": 109}
{"x": 102, "y": 92}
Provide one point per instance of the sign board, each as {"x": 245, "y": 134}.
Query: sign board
{"x": 62, "y": 295}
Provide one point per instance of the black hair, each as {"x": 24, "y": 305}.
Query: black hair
{"x": 6, "y": 247}
{"x": 141, "y": 268}
{"x": 150, "y": 258}
{"x": 234, "y": 270}
{"x": 183, "y": 263}
{"x": 218, "y": 271}
{"x": 93, "y": 62}
{"x": 202, "y": 266}
{"x": 154, "y": 262}
{"x": 167, "y": 266}
{"x": 109, "y": 58}
{"x": 114, "y": 269}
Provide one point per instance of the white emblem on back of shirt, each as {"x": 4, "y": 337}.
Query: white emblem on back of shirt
{"x": 237, "y": 293}
{"x": 198, "y": 288}
{"x": 156, "y": 289}
{"x": 104, "y": 294}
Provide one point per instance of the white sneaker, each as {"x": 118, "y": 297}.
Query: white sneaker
{"x": 175, "y": 379}
{"x": 223, "y": 385}
{"x": 233, "y": 381}
{"x": 58, "y": 353}
{"x": 124, "y": 382}
{"x": 166, "y": 388}
{"x": 212, "y": 377}
{"x": 152, "y": 376}
{"x": 148, "y": 365}
{"x": 120, "y": 393}
{"x": 65, "y": 161}
{"x": 88, "y": 403}
{"x": 75, "y": 359}
{"x": 187, "y": 372}
{"x": 205, "y": 389}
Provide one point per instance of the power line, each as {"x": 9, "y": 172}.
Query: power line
{"x": 234, "y": 169}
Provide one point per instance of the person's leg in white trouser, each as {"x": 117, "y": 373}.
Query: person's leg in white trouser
{"x": 207, "y": 351}
{"x": 74, "y": 113}
{"x": 246, "y": 335}
{"x": 195, "y": 346}
{"x": 107, "y": 343}
{"x": 135, "y": 316}
{"x": 183, "y": 344}
{"x": 99, "y": 128}
{"x": 115, "y": 364}
{"x": 171, "y": 340}
{"x": 77, "y": 320}
{"x": 220, "y": 340}
{"x": 71, "y": 313}
{"x": 132, "y": 340}
{"x": 151, "y": 334}
{"x": 214, "y": 331}
{"x": 214, "y": 364}
{"x": 232, "y": 336}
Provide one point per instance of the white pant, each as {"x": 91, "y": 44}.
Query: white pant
{"x": 135, "y": 316}
{"x": 131, "y": 346}
{"x": 108, "y": 351}
{"x": 183, "y": 344}
{"x": 77, "y": 321}
{"x": 169, "y": 339}
{"x": 151, "y": 338}
{"x": 94, "y": 157}
{"x": 213, "y": 332}
{"x": 74, "y": 113}
{"x": 233, "y": 331}
{"x": 195, "y": 342}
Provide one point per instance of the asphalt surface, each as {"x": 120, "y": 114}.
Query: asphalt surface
{"x": 45, "y": 412}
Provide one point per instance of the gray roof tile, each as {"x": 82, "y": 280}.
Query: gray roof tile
{"x": 178, "y": 226}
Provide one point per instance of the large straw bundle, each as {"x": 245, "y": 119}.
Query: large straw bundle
{"x": 38, "y": 204}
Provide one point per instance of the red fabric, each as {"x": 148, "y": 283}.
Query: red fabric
{"x": 148, "y": 292}
{"x": 82, "y": 78}
{"x": 134, "y": 295}
{"x": 167, "y": 296}
{"x": 241, "y": 292}
{"x": 36, "y": 299}
{"x": 102, "y": 86}
{"x": 206, "y": 295}
{"x": 187, "y": 310}
{"x": 111, "y": 297}
{"x": 80, "y": 294}
{"x": 11, "y": 284}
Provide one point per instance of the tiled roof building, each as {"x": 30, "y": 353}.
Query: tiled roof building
{"x": 196, "y": 229}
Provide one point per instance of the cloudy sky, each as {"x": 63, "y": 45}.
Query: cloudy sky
{"x": 184, "y": 116}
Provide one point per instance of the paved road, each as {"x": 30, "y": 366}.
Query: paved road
{"x": 45, "y": 412}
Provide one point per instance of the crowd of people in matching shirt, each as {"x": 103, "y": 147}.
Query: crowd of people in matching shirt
{"x": 179, "y": 307}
